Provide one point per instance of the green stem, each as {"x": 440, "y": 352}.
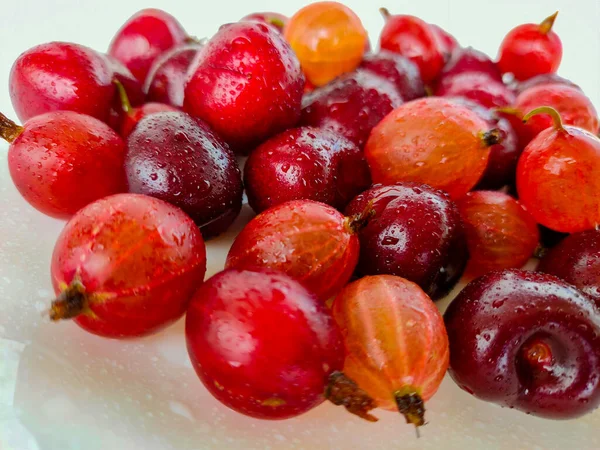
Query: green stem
{"x": 9, "y": 130}
{"x": 548, "y": 23}
{"x": 558, "y": 124}
{"x": 125, "y": 103}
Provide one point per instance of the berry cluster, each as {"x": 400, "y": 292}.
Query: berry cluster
{"x": 379, "y": 180}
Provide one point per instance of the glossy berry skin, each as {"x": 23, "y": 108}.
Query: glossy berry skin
{"x": 416, "y": 233}
{"x": 576, "y": 259}
{"x": 305, "y": 163}
{"x": 470, "y": 60}
{"x": 261, "y": 343}
{"x": 246, "y": 83}
{"x": 551, "y": 173}
{"x": 528, "y": 341}
{"x": 62, "y": 160}
{"x": 329, "y": 40}
{"x": 500, "y": 233}
{"x": 547, "y": 78}
{"x": 400, "y": 71}
{"x": 445, "y": 41}
{"x": 529, "y": 50}
{"x": 571, "y": 103}
{"x": 135, "y": 262}
{"x": 396, "y": 344}
{"x": 309, "y": 241}
{"x": 413, "y": 38}
{"x": 432, "y": 141}
{"x": 61, "y": 76}
{"x": 276, "y": 20}
{"x": 351, "y": 105}
{"x": 146, "y": 35}
{"x": 166, "y": 78}
{"x": 177, "y": 158}
{"x": 130, "y": 119}
{"x": 478, "y": 87}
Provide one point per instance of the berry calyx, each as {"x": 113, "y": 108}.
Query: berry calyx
{"x": 70, "y": 303}
{"x": 343, "y": 391}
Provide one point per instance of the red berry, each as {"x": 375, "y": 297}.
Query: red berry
{"x": 126, "y": 266}
{"x": 576, "y": 259}
{"x": 246, "y": 83}
{"x": 445, "y": 41}
{"x": 305, "y": 163}
{"x": 62, "y": 160}
{"x": 571, "y": 103}
{"x": 61, "y": 76}
{"x": 432, "y": 141}
{"x": 557, "y": 177}
{"x": 415, "y": 233}
{"x": 177, "y": 158}
{"x": 400, "y": 71}
{"x": 547, "y": 78}
{"x": 528, "y": 341}
{"x": 478, "y": 87}
{"x": 276, "y": 20}
{"x": 309, "y": 241}
{"x": 135, "y": 115}
{"x": 396, "y": 344}
{"x": 166, "y": 79}
{"x": 471, "y": 60}
{"x": 501, "y": 234}
{"x": 413, "y": 38}
{"x": 145, "y": 36}
{"x": 261, "y": 343}
{"x": 531, "y": 49}
{"x": 351, "y": 105}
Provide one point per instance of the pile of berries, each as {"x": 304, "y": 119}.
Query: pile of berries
{"x": 379, "y": 179}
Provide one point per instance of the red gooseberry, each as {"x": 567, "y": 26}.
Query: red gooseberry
{"x": 126, "y": 265}
{"x": 276, "y": 20}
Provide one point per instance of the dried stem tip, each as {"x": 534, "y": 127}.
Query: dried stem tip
{"x": 343, "y": 391}
{"x": 548, "y": 23}
{"x": 357, "y": 222}
{"x": 9, "y": 130}
{"x": 385, "y": 13}
{"x": 411, "y": 406}
{"x": 491, "y": 137}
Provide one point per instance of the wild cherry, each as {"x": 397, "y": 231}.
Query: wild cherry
{"x": 61, "y": 76}
{"x": 413, "y": 38}
{"x": 478, "y": 87}
{"x": 396, "y": 346}
{"x": 305, "y": 163}
{"x": 276, "y": 20}
{"x": 177, "y": 158}
{"x": 432, "y": 141}
{"x": 329, "y": 40}
{"x": 415, "y": 233}
{"x": 261, "y": 343}
{"x": 500, "y": 233}
{"x": 528, "y": 341}
{"x": 246, "y": 83}
{"x": 126, "y": 265}
{"x": 146, "y": 35}
{"x": 576, "y": 259}
{"x": 61, "y": 161}
{"x": 401, "y": 71}
{"x": 531, "y": 49}
{"x": 167, "y": 76}
{"x": 551, "y": 172}
{"x": 309, "y": 241}
{"x": 351, "y": 105}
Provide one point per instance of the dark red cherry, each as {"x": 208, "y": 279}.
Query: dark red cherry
{"x": 397, "y": 69}
{"x": 547, "y": 78}
{"x": 305, "y": 163}
{"x": 246, "y": 83}
{"x": 576, "y": 259}
{"x": 176, "y": 158}
{"x": 166, "y": 79}
{"x": 528, "y": 341}
{"x": 276, "y": 20}
{"x": 416, "y": 233}
{"x": 351, "y": 105}
{"x": 471, "y": 60}
{"x": 478, "y": 87}
{"x": 145, "y": 35}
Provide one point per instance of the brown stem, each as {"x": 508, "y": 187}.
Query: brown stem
{"x": 125, "y": 103}
{"x": 385, "y": 13}
{"x": 357, "y": 222}
{"x": 343, "y": 391}
{"x": 411, "y": 405}
{"x": 70, "y": 303}
{"x": 558, "y": 124}
{"x": 548, "y": 23}
{"x": 9, "y": 130}
{"x": 491, "y": 137}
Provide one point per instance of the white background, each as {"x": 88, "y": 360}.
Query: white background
{"x": 63, "y": 389}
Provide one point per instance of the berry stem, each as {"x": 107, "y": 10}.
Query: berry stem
{"x": 510, "y": 111}
{"x": 411, "y": 405}
{"x": 385, "y": 13}
{"x": 357, "y": 222}
{"x": 491, "y": 137}
{"x": 548, "y": 23}
{"x": 276, "y": 22}
{"x": 9, "y": 130}
{"x": 558, "y": 124}
{"x": 70, "y": 303}
{"x": 343, "y": 391}
{"x": 125, "y": 103}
